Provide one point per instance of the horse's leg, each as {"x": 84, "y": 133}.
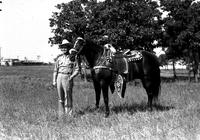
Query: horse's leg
{"x": 112, "y": 87}
{"x": 112, "y": 83}
{"x": 150, "y": 100}
{"x": 97, "y": 92}
{"x": 105, "y": 96}
{"x": 147, "y": 85}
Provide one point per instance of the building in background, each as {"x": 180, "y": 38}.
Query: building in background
{"x": 9, "y": 62}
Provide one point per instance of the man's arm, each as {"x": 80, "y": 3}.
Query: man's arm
{"x": 76, "y": 70}
{"x": 55, "y": 73}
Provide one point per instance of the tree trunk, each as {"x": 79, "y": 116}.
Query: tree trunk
{"x": 196, "y": 73}
{"x": 189, "y": 72}
{"x": 174, "y": 69}
{"x": 196, "y": 67}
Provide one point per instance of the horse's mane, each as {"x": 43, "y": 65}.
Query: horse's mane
{"x": 93, "y": 46}
{"x": 92, "y": 52}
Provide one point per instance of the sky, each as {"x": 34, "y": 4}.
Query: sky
{"x": 24, "y": 29}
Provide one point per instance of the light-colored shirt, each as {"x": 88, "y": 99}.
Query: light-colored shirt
{"x": 64, "y": 65}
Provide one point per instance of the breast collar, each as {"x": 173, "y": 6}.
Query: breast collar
{"x": 100, "y": 64}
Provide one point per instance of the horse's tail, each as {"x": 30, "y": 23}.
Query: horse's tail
{"x": 156, "y": 88}
{"x": 157, "y": 93}
{"x": 159, "y": 88}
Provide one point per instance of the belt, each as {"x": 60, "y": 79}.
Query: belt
{"x": 64, "y": 73}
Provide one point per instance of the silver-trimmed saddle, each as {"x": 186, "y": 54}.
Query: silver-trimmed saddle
{"x": 122, "y": 59}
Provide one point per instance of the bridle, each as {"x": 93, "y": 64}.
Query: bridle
{"x": 78, "y": 51}
{"x": 75, "y": 44}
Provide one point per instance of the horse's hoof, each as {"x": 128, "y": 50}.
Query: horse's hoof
{"x": 97, "y": 110}
{"x": 150, "y": 109}
{"x": 106, "y": 114}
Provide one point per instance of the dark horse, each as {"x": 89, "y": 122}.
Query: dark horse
{"x": 147, "y": 69}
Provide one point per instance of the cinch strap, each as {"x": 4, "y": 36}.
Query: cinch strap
{"x": 61, "y": 101}
{"x": 102, "y": 67}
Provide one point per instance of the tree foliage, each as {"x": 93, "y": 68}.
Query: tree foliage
{"x": 133, "y": 24}
{"x": 182, "y": 27}
{"x": 182, "y": 30}
{"x": 68, "y": 22}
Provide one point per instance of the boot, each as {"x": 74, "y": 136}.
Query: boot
{"x": 61, "y": 109}
{"x": 68, "y": 111}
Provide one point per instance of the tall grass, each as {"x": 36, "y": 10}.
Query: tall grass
{"x": 28, "y": 110}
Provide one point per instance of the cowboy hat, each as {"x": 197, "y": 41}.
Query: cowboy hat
{"x": 65, "y": 44}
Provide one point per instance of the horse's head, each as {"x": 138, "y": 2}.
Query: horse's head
{"x": 111, "y": 48}
{"x": 88, "y": 50}
{"x": 78, "y": 46}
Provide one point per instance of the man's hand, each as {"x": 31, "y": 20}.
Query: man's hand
{"x": 70, "y": 78}
{"x": 54, "y": 84}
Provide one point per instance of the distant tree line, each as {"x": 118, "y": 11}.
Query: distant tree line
{"x": 133, "y": 24}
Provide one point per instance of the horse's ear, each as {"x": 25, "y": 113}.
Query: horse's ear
{"x": 72, "y": 51}
{"x": 83, "y": 41}
{"x": 107, "y": 46}
{"x": 80, "y": 38}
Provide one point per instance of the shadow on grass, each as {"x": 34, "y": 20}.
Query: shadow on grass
{"x": 131, "y": 109}
{"x": 90, "y": 110}
{"x": 138, "y": 107}
{"x": 178, "y": 78}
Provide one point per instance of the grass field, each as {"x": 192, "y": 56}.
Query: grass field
{"x": 28, "y": 106}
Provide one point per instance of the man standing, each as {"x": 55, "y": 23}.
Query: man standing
{"x": 64, "y": 72}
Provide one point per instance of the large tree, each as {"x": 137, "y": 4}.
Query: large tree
{"x": 182, "y": 30}
{"x": 133, "y": 24}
